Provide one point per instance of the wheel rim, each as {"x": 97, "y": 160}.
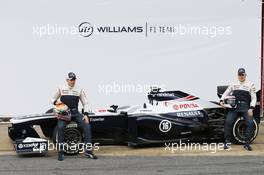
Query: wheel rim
{"x": 239, "y": 130}
{"x": 72, "y": 139}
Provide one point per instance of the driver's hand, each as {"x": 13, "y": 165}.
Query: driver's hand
{"x": 86, "y": 119}
{"x": 222, "y": 104}
{"x": 58, "y": 103}
{"x": 250, "y": 112}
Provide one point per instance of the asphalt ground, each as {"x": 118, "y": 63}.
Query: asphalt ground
{"x": 126, "y": 165}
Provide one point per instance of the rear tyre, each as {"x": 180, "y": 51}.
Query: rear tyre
{"x": 239, "y": 130}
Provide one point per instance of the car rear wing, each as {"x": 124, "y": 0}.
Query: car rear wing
{"x": 157, "y": 95}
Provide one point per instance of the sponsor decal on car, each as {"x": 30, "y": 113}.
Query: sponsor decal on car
{"x": 165, "y": 126}
{"x": 165, "y": 94}
{"x": 20, "y": 146}
{"x": 189, "y": 114}
{"x": 186, "y": 106}
{"x": 33, "y": 147}
{"x": 145, "y": 110}
{"x": 97, "y": 119}
{"x": 102, "y": 110}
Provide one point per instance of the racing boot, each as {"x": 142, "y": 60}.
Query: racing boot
{"x": 90, "y": 155}
{"x": 60, "y": 156}
{"x": 227, "y": 145}
{"x": 248, "y": 147}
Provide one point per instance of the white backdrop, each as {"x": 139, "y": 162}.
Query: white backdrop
{"x": 32, "y": 66}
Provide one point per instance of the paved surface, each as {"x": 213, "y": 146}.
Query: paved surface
{"x": 126, "y": 165}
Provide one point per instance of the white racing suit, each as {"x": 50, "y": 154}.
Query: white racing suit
{"x": 245, "y": 94}
{"x": 71, "y": 96}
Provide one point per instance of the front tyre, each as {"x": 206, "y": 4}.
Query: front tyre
{"x": 72, "y": 138}
{"x": 239, "y": 130}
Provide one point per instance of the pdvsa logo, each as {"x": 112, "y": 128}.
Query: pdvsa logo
{"x": 86, "y": 29}
{"x": 185, "y": 106}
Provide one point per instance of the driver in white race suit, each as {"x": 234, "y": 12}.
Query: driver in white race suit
{"x": 245, "y": 94}
{"x": 70, "y": 95}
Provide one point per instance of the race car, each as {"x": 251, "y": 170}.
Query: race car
{"x": 168, "y": 116}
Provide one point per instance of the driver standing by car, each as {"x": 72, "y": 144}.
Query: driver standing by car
{"x": 245, "y": 94}
{"x": 70, "y": 95}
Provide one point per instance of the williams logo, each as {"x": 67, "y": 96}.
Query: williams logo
{"x": 85, "y": 29}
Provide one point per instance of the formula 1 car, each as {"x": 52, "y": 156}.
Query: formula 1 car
{"x": 169, "y": 116}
